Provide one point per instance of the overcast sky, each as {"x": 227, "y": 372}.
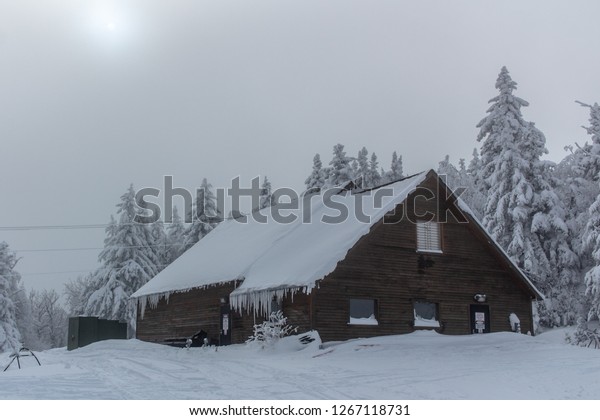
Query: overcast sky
{"x": 95, "y": 95}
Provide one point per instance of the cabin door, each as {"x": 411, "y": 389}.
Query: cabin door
{"x": 225, "y": 321}
{"x": 480, "y": 319}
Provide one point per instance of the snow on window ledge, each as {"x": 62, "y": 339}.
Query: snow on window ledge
{"x": 363, "y": 321}
{"x": 430, "y": 251}
{"x": 429, "y": 323}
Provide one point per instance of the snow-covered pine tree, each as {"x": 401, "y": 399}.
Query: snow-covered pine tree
{"x": 10, "y": 338}
{"x": 396, "y": 171}
{"x": 175, "y": 236}
{"x": 160, "y": 244}
{"x": 474, "y": 194}
{"x": 591, "y": 237}
{"x": 507, "y": 175}
{"x": 316, "y": 179}
{"x": 561, "y": 283}
{"x": 354, "y": 168}
{"x": 462, "y": 167}
{"x": 579, "y": 186}
{"x": 451, "y": 174}
{"x": 474, "y": 164}
{"x": 521, "y": 212}
{"x": 203, "y": 217}
{"x": 340, "y": 168}
{"x": 464, "y": 180}
{"x": 266, "y": 198}
{"x": 589, "y": 162}
{"x": 128, "y": 261}
{"x": 374, "y": 178}
{"x": 362, "y": 171}
{"x": 24, "y": 315}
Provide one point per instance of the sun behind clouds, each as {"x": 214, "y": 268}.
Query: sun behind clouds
{"x": 111, "y": 26}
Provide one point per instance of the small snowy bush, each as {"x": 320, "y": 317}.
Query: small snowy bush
{"x": 584, "y": 336}
{"x": 271, "y": 330}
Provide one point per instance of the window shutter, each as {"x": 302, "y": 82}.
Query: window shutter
{"x": 428, "y": 236}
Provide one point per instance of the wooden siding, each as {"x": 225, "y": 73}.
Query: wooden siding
{"x": 185, "y": 314}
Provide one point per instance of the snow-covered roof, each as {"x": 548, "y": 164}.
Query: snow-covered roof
{"x": 274, "y": 255}
{"x": 271, "y": 258}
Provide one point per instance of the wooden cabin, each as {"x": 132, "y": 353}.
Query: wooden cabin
{"x": 418, "y": 260}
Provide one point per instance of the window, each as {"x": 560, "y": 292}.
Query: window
{"x": 362, "y": 312}
{"x": 428, "y": 237}
{"x": 425, "y": 314}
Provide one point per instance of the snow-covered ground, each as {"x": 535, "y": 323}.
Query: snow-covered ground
{"x": 422, "y": 365}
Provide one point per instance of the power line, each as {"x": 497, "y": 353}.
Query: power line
{"x": 54, "y": 227}
{"x": 93, "y": 248}
{"x": 57, "y": 249}
{"x": 56, "y": 272}
{"x": 70, "y": 272}
{"x": 69, "y": 227}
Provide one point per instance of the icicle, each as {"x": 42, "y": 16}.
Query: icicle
{"x": 259, "y": 302}
{"x": 141, "y": 302}
{"x": 154, "y": 299}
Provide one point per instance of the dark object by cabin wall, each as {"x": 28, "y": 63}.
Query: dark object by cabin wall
{"x": 384, "y": 266}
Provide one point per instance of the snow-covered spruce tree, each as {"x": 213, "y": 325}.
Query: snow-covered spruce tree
{"x": 20, "y": 300}
{"x": 10, "y": 338}
{"x": 266, "y": 198}
{"x": 175, "y": 236}
{"x": 474, "y": 164}
{"x": 451, "y": 174}
{"x": 204, "y": 215}
{"x": 591, "y": 236}
{"x": 128, "y": 261}
{"x": 317, "y": 177}
{"x": 461, "y": 178}
{"x": 24, "y": 315}
{"x": 462, "y": 167}
{"x": 374, "y": 178}
{"x": 354, "y": 168}
{"x": 578, "y": 188}
{"x": 76, "y": 292}
{"x": 562, "y": 282}
{"x": 475, "y": 194}
{"x": 158, "y": 236}
{"x": 340, "y": 168}
{"x": 362, "y": 170}
{"x": 396, "y": 171}
{"x": 522, "y": 213}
